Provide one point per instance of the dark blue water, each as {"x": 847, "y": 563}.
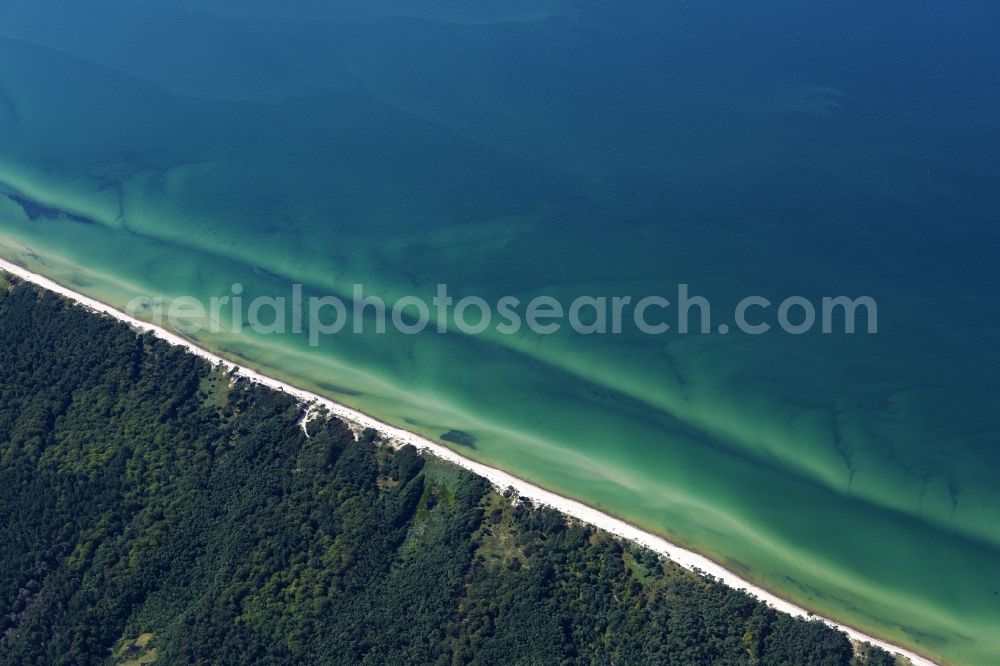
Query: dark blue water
{"x": 580, "y": 148}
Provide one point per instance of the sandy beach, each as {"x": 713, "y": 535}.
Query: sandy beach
{"x": 398, "y": 437}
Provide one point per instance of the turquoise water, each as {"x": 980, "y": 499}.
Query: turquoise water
{"x": 566, "y": 149}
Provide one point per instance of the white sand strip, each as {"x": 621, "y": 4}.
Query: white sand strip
{"x": 500, "y": 479}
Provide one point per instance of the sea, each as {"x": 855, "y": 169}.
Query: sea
{"x": 548, "y": 151}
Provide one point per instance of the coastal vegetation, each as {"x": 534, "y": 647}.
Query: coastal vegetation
{"x": 154, "y": 508}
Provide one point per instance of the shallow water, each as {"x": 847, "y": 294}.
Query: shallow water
{"x": 566, "y": 149}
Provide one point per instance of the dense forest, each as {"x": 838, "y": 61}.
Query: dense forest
{"x": 152, "y": 508}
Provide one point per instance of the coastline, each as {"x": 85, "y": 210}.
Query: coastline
{"x": 500, "y": 479}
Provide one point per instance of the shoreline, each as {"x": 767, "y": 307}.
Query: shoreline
{"x": 684, "y": 557}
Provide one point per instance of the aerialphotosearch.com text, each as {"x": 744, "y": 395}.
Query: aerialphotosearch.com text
{"x": 682, "y": 313}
